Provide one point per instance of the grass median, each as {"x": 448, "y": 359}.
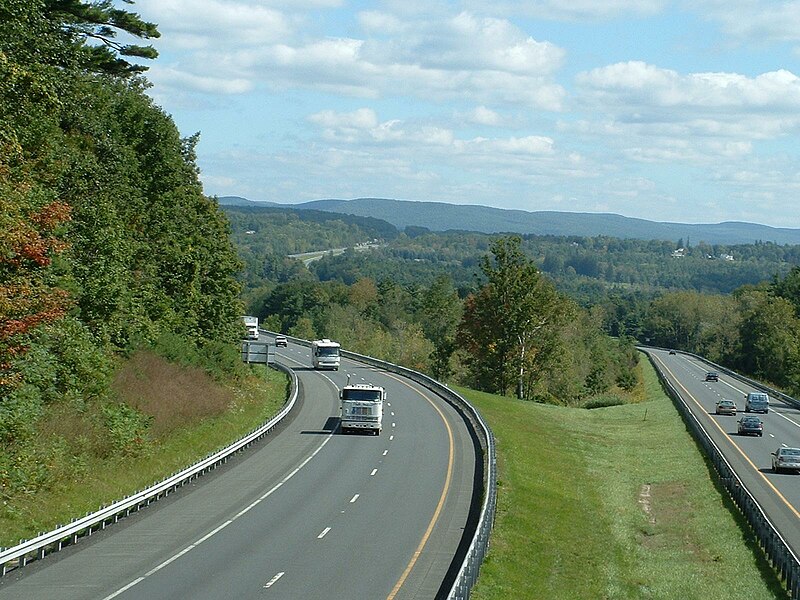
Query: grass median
{"x": 612, "y": 503}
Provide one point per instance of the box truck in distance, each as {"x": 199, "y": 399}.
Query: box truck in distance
{"x": 251, "y": 323}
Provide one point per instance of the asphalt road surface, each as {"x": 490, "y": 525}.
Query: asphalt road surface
{"x": 307, "y": 513}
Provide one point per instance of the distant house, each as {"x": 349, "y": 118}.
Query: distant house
{"x": 726, "y": 256}
{"x": 679, "y": 253}
{"x": 250, "y": 232}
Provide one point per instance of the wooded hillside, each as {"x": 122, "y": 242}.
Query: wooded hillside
{"x": 108, "y": 243}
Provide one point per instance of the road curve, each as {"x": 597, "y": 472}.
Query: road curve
{"x": 307, "y": 513}
{"x": 749, "y": 456}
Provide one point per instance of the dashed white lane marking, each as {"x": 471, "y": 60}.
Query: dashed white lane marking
{"x": 373, "y": 472}
{"x": 354, "y": 498}
{"x": 385, "y": 452}
{"x": 225, "y": 524}
{"x": 272, "y": 581}
{"x": 394, "y": 424}
{"x": 392, "y": 413}
{"x": 391, "y": 437}
{"x": 324, "y": 533}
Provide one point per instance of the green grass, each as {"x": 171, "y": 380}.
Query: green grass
{"x": 611, "y": 503}
{"x": 254, "y": 402}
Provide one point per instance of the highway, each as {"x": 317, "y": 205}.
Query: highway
{"x": 306, "y": 513}
{"x": 778, "y": 494}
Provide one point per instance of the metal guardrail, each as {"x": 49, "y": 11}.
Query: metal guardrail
{"x": 785, "y": 562}
{"x": 46, "y": 543}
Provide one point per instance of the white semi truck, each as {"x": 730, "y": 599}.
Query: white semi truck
{"x": 362, "y": 407}
{"x": 251, "y": 323}
{"x": 325, "y": 354}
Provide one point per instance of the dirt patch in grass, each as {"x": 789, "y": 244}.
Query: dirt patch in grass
{"x": 171, "y": 395}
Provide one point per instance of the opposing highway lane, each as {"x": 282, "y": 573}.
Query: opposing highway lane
{"x": 309, "y": 513}
{"x": 749, "y": 456}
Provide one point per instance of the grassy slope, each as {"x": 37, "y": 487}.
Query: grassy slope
{"x": 104, "y": 481}
{"x": 611, "y": 503}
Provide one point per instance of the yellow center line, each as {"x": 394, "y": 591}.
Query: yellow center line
{"x": 442, "y": 498}
{"x": 734, "y": 444}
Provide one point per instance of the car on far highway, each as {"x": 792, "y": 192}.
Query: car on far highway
{"x": 280, "y": 340}
{"x": 712, "y": 376}
{"x": 725, "y": 407}
{"x": 786, "y": 459}
{"x": 751, "y": 426}
{"x": 672, "y": 352}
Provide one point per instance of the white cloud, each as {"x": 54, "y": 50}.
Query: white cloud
{"x": 572, "y": 10}
{"x": 363, "y": 118}
{"x": 760, "y": 20}
{"x": 214, "y": 23}
{"x": 485, "y": 59}
{"x": 638, "y": 83}
{"x": 169, "y": 77}
{"x": 484, "y": 116}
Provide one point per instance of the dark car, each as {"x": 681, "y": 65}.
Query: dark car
{"x": 712, "y": 376}
{"x": 672, "y": 352}
{"x": 751, "y": 426}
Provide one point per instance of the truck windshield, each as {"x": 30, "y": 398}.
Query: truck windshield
{"x": 369, "y": 395}
{"x": 327, "y": 351}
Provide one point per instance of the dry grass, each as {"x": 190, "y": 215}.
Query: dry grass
{"x": 173, "y": 396}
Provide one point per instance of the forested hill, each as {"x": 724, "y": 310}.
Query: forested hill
{"x": 108, "y": 242}
{"x": 439, "y": 216}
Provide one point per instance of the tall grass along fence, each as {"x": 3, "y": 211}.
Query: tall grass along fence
{"x": 781, "y": 556}
{"x": 53, "y": 541}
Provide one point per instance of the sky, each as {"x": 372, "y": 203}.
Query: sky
{"x": 669, "y": 110}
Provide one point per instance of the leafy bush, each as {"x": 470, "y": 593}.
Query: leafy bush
{"x": 603, "y": 401}
{"x": 127, "y": 428}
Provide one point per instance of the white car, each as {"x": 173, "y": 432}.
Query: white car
{"x": 786, "y": 459}
{"x": 280, "y": 340}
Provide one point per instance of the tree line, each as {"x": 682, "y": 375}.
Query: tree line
{"x": 514, "y": 333}
{"x": 108, "y": 242}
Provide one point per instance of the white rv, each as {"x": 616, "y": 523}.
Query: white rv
{"x": 251, "y": 323}
{"x": 325, "y": 354}
{"x": 362, "y": 407}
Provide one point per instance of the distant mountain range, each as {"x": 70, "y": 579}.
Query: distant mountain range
{"x": 439, "y": 216}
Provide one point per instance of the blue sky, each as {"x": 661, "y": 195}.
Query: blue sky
{"x": 682, "y": 111}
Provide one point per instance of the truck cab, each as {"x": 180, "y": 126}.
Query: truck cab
{"x": 362, "y": 408}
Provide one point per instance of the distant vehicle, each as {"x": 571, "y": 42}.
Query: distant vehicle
{"x": 251, "y": 323}
{"x": 280, "y": 340}
{"x": 712, "y": 376}
{"x": 751, "y": 426}
{"x": 362, "y": 407}
{"x": 726, "y": 407}
{"x": 672, "y": 352}
{"x": 756, "y": 402}
{"x": 786, "y": 459}
{"x": 325, "y": 354}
